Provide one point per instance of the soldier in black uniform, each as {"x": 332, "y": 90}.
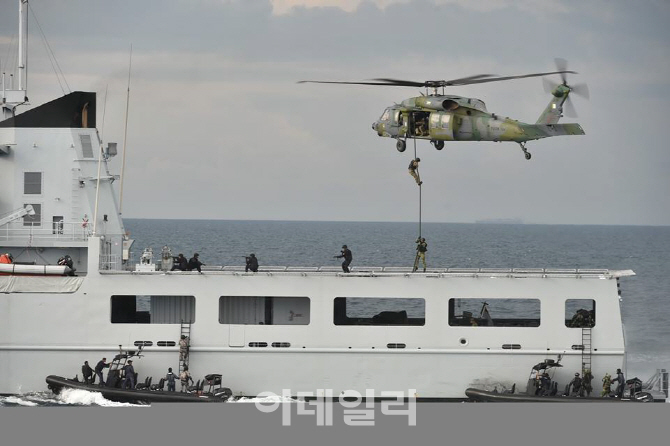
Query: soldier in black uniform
{"x": 180, "y": 263}
{"x": 576, "y": 384}
{"x": 102, "y": 364}
{"x": 346, "y": 254}
{"x": 194, "y": 263}
{"x": 87, "y": 373}
{"x": 252, "y": 263}
{"x": 621, "y": 381}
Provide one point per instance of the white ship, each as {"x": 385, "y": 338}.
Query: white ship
{"x": 303, "y": 329}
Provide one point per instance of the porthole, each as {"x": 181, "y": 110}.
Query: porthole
{"x": 463, "y": 341}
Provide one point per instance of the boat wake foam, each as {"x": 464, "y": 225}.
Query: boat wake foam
{"x": 79, "y": 397}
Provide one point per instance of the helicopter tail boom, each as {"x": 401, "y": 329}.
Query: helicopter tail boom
{"x": 538, "y": 131}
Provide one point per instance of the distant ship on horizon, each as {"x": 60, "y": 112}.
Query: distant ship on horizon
{"x": 501, "y": 221}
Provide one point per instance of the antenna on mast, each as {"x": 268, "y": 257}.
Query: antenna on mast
{"x": 11, "y": 98}
{"x": 101, "y": 155}
{"x": 125, "y": 134}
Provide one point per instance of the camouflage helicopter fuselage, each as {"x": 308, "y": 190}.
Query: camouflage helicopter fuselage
{"x": 440, "y": 118}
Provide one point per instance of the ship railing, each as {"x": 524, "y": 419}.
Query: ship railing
{"x": 110, "y": 262}
{"x": 408, "y": 271}
{"x": 36, "y": 232}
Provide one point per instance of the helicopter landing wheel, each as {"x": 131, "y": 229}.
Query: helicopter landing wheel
{"x": 439, "y": 145}
{"x": 527, "y": 155}
{"x": 400, "y": 145}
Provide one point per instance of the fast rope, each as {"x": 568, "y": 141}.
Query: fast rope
{"x": 420, "y": 196}
{"x": 416, "y": 257}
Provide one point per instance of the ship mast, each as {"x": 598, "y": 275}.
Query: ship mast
{"x": 11, "y": 98}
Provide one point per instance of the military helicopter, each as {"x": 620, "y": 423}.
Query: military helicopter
{"x": 440, "y": 117}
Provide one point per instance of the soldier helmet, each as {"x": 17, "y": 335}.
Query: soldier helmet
{"x": 344, "y": 246}
{"x": 576, "y": 374}
{"x": 418, "y": 159}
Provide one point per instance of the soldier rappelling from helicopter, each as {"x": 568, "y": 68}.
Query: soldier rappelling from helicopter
{"x": 414, "y": 170}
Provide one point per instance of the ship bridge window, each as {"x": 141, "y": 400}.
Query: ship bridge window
{"x": 35, "y": 219}
{"x": 477, "y": 312}
{"x": 153, "y": 309}
{"x": 264, "y": 310}
{"x": 381, "y": 311}
{"x": 580, "y": 313}
{"x": 32, "y": 183}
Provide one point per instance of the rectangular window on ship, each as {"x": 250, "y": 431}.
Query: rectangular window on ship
{"x": 478, "y": 312}
{"x": 580, "y": 313}
{"x": 381, "y": 311}
{"x": 130, "y": 309}
{"x": 264, "y": 310}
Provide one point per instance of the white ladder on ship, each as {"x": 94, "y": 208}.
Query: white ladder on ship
{"x": 185, "y": 330}
{"x": 586, "y": 349}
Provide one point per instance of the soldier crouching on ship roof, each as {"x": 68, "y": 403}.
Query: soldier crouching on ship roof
{"x": 252, "y": 263}
{"x": 179, "y": 263}
{"x": 195, "y": 263}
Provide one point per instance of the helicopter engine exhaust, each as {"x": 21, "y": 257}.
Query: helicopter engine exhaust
{"x": 436, "y": 103}
{"x": 449, "y": 105}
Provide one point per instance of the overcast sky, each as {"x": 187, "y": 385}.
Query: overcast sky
{"x": 219, "y": 129}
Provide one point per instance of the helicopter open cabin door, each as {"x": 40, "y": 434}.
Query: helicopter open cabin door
{"x": 442, "y": 126}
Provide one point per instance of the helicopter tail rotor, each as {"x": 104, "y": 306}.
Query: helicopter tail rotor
{"x": 563, "y": 89}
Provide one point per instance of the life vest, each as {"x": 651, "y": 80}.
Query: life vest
{"x": 170, "y": 378}
{"x": 5, "y": 258}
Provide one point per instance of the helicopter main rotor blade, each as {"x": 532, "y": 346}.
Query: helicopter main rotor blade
{"x": 476, "y": 79}
{"x": 353, "y": 83}
{"x": 440, "y": 83}
{"x": 505, "y": 78}
{"x": 561, "y": 65}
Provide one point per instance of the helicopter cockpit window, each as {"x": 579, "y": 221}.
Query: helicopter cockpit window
{"x": 396, "y": 117}
{"x": 434, "y": 120}
{"x": 445, "y": 121}
{"x": 386, "y": 115}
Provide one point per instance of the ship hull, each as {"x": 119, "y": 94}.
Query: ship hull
{"x": 54, "y": 333}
